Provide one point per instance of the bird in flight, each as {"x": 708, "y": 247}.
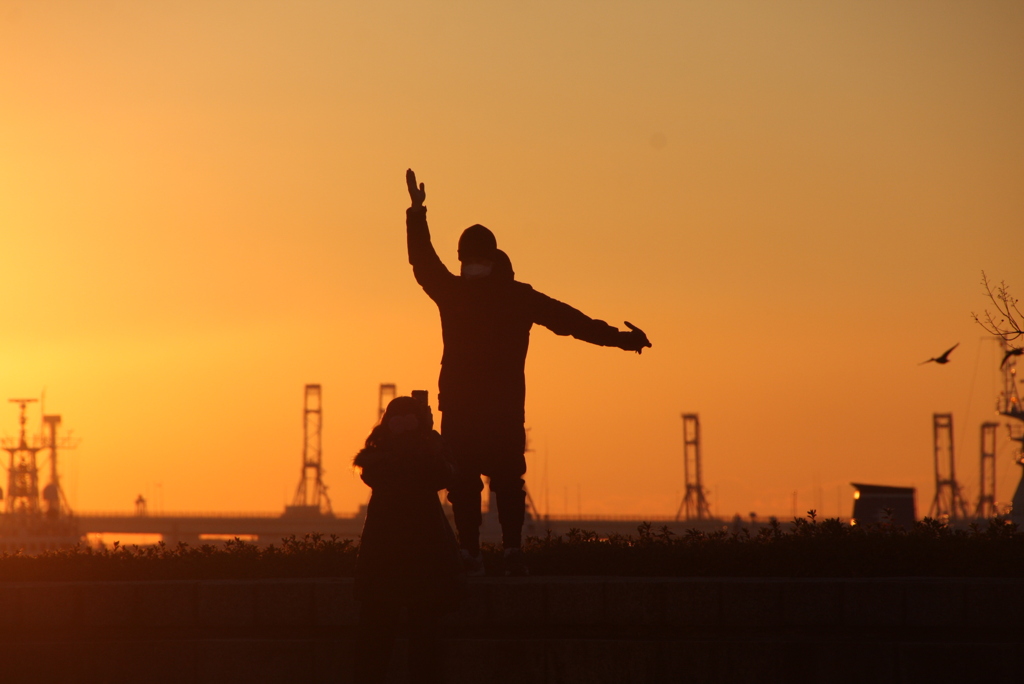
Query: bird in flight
{"x": 1011, "y": 352}
{"x": 941, "y": 359}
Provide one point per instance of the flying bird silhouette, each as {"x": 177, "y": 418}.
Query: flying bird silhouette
{"x": 1011, "y": 352}
{"x": 941, "y": 359}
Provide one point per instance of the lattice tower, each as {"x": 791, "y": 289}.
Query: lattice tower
{"x": 949, "y": 501}
{"x": 694, "y": 503}
{"x": 312, "y": 492}
{"x": 22, "y": 472}
{"x": 387, "y": 392}
{"x": 987, "y": 497}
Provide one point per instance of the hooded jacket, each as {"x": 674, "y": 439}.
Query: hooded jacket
{"x": 485, "y": 326}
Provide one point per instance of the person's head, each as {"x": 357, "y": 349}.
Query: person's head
{"x": 406, "y": 415}
{"x": 477, "y": 247}
{"x": 502, "y": 267}
{"x": 405, "y": 421}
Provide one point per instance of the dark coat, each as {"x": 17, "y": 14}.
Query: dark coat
{"x": 407, "y": 551}
{"x": 485, "y": 325}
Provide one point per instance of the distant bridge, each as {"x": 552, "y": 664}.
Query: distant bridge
{"x": 270, "y": 528}
{"x": 191, "y": 527}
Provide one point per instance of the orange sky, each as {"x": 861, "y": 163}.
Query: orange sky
{"x": 202, "y": 208}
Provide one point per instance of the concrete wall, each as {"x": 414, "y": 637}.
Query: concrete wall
{"x": 525, "y": 630}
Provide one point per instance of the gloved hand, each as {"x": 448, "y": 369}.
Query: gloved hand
{"x": 417, "y": 194}
{"x": 634, "y": 340}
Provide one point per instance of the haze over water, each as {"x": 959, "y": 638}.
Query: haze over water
{"x": 203, "y": 210}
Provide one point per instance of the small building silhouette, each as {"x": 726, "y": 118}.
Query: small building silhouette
{"x": 879, "y": 503}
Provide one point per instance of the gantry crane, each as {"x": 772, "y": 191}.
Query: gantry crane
{"x": 694, "y": 503}
{"x": 311, "y": 495}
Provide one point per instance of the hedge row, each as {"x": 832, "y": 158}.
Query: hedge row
{"x": 803, "y": 548}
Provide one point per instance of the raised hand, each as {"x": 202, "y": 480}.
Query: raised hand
{"x": 416, "y": 194}
{"x": 634, "y": 340}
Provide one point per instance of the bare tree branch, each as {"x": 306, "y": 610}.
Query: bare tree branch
{"x": 1007, "y": 321}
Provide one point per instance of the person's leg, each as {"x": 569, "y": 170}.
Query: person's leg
{"x": 506, "y": 468}
{"x": 378, "y": 626}
{"x": 508, "y": 489}
{"x": 464, "y": 496}
{"x": 464, "y": 493}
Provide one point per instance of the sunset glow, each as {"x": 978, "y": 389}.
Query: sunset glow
{"x": 202, "y": 208}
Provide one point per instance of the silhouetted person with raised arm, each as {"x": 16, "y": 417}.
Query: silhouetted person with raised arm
{"x": 486, "y": 316}
{"x": 408, "y": 558}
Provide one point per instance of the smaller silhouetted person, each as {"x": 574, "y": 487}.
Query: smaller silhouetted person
{"x": 408, "y": 557}
{"x": 943, "y": 358}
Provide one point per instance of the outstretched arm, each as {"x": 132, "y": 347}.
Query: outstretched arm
{"x": 430, "y": 272}
{"x": 562, "y": 319}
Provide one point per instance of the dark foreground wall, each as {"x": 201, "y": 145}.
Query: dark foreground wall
{"x": 550, "y": 630}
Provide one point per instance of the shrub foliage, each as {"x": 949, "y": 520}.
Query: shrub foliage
{"x": 809, "y": 548}
{"x": 312, "y": 556}
{"x": 803, "y": 548}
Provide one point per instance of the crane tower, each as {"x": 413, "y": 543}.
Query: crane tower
{"x": 311, "y": 496}
{"x": 388, "y": 391}
{"x": 22, "y": 472}
{"x": 987, "y": 497}
{"x": 694, "y": 503}
{"x": 53, "y": 494}
{"x": 948, "y": 501}
{"x": 1009, "y": 405}
{"x": 35, "y": 520}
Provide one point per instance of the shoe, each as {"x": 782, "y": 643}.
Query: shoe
{"x": 472, "y": 565}
{"x": 515, "y": 563}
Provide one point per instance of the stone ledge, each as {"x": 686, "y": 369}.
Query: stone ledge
{"x": 540, "y": 629}
{"x": 588, "y": 603}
